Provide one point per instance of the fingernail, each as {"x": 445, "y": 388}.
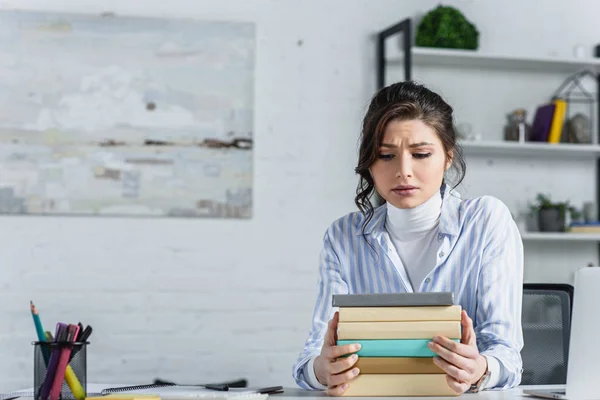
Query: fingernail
{"x": 436, "y": 338}
{"x": 357, "y": 346}
{"x": 353, "y": 357}
{"x": 355, "y": 371}
{"x": 430, "y": 344}
{"x": 345, "y": 386}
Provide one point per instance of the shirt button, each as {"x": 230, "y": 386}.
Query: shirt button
{"x": 440, "y": 237}
{"x": 441, "y": 254}
{"x": 427, "y": 280}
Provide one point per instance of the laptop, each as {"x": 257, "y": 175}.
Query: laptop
{"x": 583, "y": 382}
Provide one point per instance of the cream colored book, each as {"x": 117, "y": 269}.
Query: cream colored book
{"x": 399, "y": 385}
{"x": 397, "y": 365}
{"x": 398, "y": 330}
{"x": 389, "y": 314}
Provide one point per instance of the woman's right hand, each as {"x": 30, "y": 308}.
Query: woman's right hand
{"x": 332, "y": 369}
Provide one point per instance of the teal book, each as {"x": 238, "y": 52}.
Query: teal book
{"x": 392, "y": 347}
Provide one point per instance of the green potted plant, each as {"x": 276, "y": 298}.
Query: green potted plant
{"x": 551, "y": 216}
{"x": 446, "y": 27}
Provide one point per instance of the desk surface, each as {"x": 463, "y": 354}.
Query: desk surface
{"x": 517, "y": 393}
{"x": 301, "y": 394}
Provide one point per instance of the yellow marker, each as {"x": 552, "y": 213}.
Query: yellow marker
{"x": 74, "y": 384}
{"x": 131, "y": 396}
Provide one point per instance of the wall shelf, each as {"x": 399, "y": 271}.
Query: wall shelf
{"x": 560, "y": 236}
{"x": 530, "y": 149}
{"x": 477, "y": 59}
{"x": 478, "y": 62}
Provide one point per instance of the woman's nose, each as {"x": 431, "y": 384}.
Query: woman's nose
{"x": 404, "y": 168}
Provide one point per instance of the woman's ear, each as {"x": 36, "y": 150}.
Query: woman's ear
{"x": 449, "y": 159}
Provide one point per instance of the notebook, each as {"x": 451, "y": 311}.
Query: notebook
{"x": 177, "y": 392}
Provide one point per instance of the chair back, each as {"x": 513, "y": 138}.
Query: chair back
{"x": 546, "y": 320}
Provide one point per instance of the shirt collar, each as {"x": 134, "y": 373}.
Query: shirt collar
{"x": 449, "y": 216}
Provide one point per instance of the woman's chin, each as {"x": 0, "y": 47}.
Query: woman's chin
{"x": 407, "y": 202}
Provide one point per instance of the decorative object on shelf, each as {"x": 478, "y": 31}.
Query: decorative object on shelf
{"x": 464, "y": 132}
{"x": 517, "y": 128}
{"x": 576, "y": 216}
{"x": 580, "y": 51}
{"x": 551, "y": 216}
{"x": 589, "y": 211}
{"x": 578, "y": 129}
{"x": 446, "y": 27}
{"x": 574, "y": 93}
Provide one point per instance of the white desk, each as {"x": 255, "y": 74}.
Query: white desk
{"x": 301, "y": 394}
{"x": 512, "y": 394}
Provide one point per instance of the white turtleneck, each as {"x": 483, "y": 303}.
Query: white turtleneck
{"x": 413, "y": 232}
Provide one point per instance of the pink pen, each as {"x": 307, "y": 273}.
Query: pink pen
{"x": 65, "y": 354}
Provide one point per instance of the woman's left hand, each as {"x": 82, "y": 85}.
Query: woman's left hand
{"x": 462, "y": 362}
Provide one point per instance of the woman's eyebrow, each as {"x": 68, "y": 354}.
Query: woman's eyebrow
{"x": 420, "y": 144}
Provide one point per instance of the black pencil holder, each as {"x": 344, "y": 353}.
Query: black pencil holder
{"x": 46, "y": 370}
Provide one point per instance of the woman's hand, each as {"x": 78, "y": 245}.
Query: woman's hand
{"x": 462, "y": 362}
{"x": 332, "y": 370}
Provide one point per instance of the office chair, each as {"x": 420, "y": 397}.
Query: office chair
{"x": 546, "y": 321}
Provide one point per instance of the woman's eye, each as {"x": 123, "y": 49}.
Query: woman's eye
{"x": 421, "y": 155}
{"x": 386, "y": 156}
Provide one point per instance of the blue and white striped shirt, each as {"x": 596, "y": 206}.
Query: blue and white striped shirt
{"x": 480, "y": 260}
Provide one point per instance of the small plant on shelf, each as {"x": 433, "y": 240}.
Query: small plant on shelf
{"x": 551, "y": 215}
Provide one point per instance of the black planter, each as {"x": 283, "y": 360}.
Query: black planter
{"x": 551, "y": 219}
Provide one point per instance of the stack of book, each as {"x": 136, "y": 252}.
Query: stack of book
{"x": 394, "y": 330}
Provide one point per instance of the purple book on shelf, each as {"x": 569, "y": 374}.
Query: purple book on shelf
{"x": 540, "y": 129}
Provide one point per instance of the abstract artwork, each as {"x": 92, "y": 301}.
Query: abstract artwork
{"x": 125, "y": 116}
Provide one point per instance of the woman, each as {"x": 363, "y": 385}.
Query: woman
{"x": 424, "y": 238}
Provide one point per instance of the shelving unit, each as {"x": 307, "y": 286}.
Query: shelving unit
{"x": 560, "y": 236}
{"x": 530, "y": 149}
{"x": 443, "y": 57}
{"x": 412, "y": 55}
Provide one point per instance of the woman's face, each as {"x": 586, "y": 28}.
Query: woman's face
{"x": 411, "y": 164}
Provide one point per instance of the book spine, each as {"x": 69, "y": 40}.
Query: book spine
{"x": 397, "y": 365}
{"x": 399, "y": 385}
{"x": 389, "y": 314}
{"x": 398, "y": 330}
{"x": 393, "y": 299}
{"x": 392, "y": 347}
{"x": 558, "y": 120}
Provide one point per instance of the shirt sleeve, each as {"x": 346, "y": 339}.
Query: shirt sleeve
{"x": 311, "y": 377}
{"x": 500, "y": 296}
{"x": 494, "y": 369}
{"x": 329, "y": 282}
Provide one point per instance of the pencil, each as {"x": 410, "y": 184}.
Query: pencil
{"x": 38, "y": 324}
{"x": 40, "y": 331}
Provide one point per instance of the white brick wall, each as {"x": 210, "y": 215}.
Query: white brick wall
{"x": 195, "y": 300}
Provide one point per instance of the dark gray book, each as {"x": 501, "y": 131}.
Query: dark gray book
{"x": 419, "y": 299}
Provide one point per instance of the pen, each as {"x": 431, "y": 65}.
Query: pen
{"x": 223, "y": 387}
{"x": 82, "y": 337}
{"x": 69, "y": 334}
